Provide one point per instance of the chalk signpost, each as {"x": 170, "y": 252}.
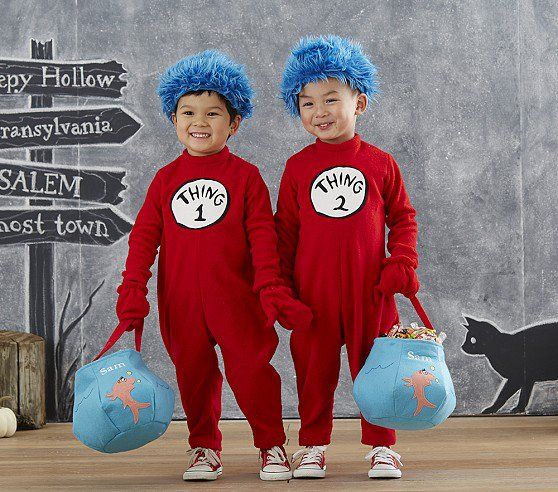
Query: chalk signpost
{"x": 83, "y": 78}
{"x": 66, "y": 127}
{"x": 41, "y": 128}
{"x": 89, "y": 225}
{"x": 36, "y": 180}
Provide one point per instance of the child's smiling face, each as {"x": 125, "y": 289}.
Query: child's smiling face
{"x": 203, "y": 123}
{"x": 328, "y": 109}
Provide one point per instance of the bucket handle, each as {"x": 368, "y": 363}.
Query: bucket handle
{"x": 118, "y": 332}
{"x": 421, "y": 312}
{"x": 418, "y": 308}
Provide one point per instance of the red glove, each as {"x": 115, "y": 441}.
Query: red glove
{"x": 132, "y": 305}
{"x": 396, "y": 277}
{"x": 279, "y": 304}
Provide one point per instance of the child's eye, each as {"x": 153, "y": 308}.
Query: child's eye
{"x": 188, "y": 113}
{"x": 330, "y": 100}
{"x": 306, "y": 104}
{"x": 212, "y": 114}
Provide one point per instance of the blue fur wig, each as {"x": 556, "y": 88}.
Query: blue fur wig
{"x": 208, "y": 70}
{"x": 319, "y": 58}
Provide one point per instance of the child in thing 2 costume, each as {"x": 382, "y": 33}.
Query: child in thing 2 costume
{"x": 218, "y": 267}
{"x": 335, "y": 198}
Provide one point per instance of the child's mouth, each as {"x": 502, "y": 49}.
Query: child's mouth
{"x": 325, "y": 126}
{"x": 200, "y": 135}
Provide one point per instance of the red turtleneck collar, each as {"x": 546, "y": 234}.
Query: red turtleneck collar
{"x": 218, "y": 157}
{"x": 350, "y": 147}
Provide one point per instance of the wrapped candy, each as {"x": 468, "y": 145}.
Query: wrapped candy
{"x": 416, "y": 332}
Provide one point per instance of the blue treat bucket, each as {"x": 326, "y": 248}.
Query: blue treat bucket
{"x": 119, "y": 404}
{"x": 405, "y": 384}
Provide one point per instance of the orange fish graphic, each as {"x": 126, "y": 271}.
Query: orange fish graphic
{"x": 122, "y": 389}
{"x": 420, "y": 380}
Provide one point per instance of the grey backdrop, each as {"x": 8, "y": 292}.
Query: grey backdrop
{"x": 468, "y": 109}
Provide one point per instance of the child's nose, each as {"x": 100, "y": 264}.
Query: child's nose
{"x": 200, "y": 121}
{"x": 321, "y": 110}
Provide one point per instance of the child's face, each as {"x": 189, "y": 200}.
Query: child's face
{"x": 203, "y": 124}
{"x": 328, "y": 109}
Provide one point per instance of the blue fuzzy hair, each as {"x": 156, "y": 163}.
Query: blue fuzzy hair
{"x": 319, "y": 58}
{"x": 209, "y": 70}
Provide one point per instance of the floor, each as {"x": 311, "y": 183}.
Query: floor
{"x": 464, "y": 453}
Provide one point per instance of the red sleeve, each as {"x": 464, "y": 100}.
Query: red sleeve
{"x": 287, "y": 223}
{"x": 260, "y": 230}
{"x": 400, "y": 218}
{"x": 144, "y": 238}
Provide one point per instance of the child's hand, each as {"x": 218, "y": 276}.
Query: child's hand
{"x": 280, "y": 305}
{"x": 396, "y": 277}
{"x": 132, "y": 305}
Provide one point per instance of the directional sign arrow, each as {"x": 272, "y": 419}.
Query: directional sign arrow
{"x": 40, "y": 180}
{"x": 63, "y": 127}
{"x": 98, "y": 78}
{"x": 96, "y": 226}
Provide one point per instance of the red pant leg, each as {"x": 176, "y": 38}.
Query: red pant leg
{"x": 317, "y": 359}
{"x": 192, "y": 350}
{"x": 360, "y": 329}
{"x": 247, "y": 347}
{"x": 317, "y": 362}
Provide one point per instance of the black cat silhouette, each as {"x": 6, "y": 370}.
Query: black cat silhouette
{"x": 522, "y": 357}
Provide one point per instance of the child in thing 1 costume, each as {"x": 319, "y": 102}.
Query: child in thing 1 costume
{"x": 219, "y": 276}
{"x": 335, "y": 198}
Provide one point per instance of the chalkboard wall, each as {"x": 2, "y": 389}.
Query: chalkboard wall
{"x": 468, "y": 109}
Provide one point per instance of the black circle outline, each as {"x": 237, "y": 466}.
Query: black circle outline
{"x": 345, "y": 216}
{"x": 208, "y": 225}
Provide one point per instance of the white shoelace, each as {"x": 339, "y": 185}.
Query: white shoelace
{"x": 381, "y": 454}
{"x": 310, "y": 455}
{"x": 207, "y": 457}
{"x": 275, "y": 456}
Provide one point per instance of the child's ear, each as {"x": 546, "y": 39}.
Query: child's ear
{"x": 361, "y": 104}
{"x": 235, "y": 123}
{"x": 173, "y": 116}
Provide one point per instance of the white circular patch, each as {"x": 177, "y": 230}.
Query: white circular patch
{"x": 338, "y": 192}
{"x": 200, "y": 203}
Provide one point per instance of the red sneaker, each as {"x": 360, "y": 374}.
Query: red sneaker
{"x": 384, "y": 463}
{"x": 274, "y": 464}
{"x": 205, "y": 464}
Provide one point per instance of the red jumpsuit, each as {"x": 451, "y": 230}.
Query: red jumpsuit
{"x": 334, "y": 202}
{"x": 213, "y": 221}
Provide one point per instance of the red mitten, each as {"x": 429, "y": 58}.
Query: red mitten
{"x": 397, "y": 277}
{"x": 132, "y": 305}
{"x": 279, "y": 304}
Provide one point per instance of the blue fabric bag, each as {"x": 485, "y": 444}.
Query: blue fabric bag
{"x": 405, "y": 383}
{"x": 119, "y": 404}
